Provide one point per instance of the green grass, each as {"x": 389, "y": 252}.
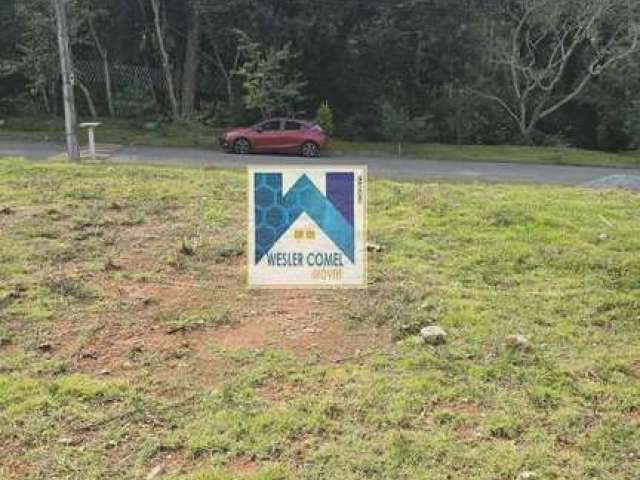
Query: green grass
{"x": 499, "y": 153}
{"x": 121, "y": 132}
{"x": 557, "y": 265}
{"x": 195, "y": 135}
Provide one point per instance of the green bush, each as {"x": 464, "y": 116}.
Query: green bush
{"x": 619, "y": 129}
{"x": 398, "y": 125}
{"x": 324, "y": 118}
{"x": 133, "y": 102}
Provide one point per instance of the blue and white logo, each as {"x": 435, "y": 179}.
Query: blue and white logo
{"x": 307, "y": 227}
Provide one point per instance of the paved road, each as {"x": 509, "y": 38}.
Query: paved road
{"x": 402, "y": 169}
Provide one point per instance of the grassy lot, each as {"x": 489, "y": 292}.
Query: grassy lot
{"x": 128, "y": 342}
{"x": 195, "y": 135}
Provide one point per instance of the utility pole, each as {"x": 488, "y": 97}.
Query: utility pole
{"x": 68, "y": 80}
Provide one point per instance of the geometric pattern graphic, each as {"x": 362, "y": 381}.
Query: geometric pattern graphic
{"x": 275, "y": 213}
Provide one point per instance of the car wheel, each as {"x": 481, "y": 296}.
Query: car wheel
{"x": 309, "y": 150}
{"x": 241, "y": 146}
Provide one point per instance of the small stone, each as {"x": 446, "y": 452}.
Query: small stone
{"x": 68, "y": 441}
{"x": 6, "y": 211}
{"x": 89, "y": 355}
{"x": 45, "y": 347}
{"x": 526, "y": 476}
{"x": 433, "y": 335}
{"x": 374, "y": 247}
{"x": 518, "y": 342}
{"x": 603, "y": 237}
{"x": 104, "y": 372}
{"x": 156, "y": 472}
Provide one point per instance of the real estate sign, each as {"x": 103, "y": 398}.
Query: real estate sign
{"x": 307, "y": 227}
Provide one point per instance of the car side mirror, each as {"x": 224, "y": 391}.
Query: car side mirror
{"x": 259, "y": 130}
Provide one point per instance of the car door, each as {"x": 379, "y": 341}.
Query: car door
{"x": 268, "y": 136}
{"x": 291, "y": 135}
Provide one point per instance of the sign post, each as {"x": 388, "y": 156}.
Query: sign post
{"x": 307, "y": 227}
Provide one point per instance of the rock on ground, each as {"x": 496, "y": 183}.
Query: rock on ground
{"x": 433, "y": 335}
{"x": 629, "y": 182}
{"x": 374, "y": 247}
{"x": 526, "y": 476}
{"x": 156, "y": 472}
{"x": 518, "y": 342}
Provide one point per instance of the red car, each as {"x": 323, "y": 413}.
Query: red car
{"x": 277, "y": 135}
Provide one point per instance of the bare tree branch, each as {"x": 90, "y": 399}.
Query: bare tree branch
{"x": 546, "y": 36}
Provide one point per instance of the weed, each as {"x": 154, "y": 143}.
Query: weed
{"x": 70, "y": 287}
{"x": 192, "y": 320}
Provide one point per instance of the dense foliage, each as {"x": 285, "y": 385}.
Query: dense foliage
{"x": 478, "y": 71}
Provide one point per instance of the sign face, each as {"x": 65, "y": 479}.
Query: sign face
{"x": 307, "y": 227}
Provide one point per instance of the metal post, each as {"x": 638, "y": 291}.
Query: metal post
{"x": 92, "y": 144}
{"x": 66, "y": 69}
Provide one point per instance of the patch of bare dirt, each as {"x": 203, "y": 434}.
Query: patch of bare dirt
{"x": 243, "y": 465}
{"x": 633, "y": 418}
{"x": 176, "y": 462}
{"x": 467, "y": 434}
{"x": 12, "y": 462}
{"x": 465, "y": 408}
{"x": 132, "y": 335}
{"x": 298, "y": 322}
{"x": 147, "y": 281}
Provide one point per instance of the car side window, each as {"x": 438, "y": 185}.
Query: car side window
{"x": 292, "y": 126}
{"x": 271, "y": 126}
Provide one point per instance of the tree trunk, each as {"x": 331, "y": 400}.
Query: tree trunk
{"x": 166, "y": 64}
{"x": 105, "y": 66}
{"x": 107, "y": 81}
{"x": 145, "y": 59}
{"x": 231, "y": 98}
{"x": 191, "y": 61}
{"x": 87, "y": 96}
{"x": 45, "y": 99}
{"x": 55, "y": 98}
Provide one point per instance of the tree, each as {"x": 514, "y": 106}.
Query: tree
{"x": 166, "y": 62}
{"x": 92, "y": 13}
{"x": 324, "y": 118}
{"x": 191, "y": 59}
{"x": 37, "y": 49}
{"x": 270, "y": 82}
{"x": 397, "y": 124}
{"x": 615, "y": 100}
{"x": 545, "y": 39}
